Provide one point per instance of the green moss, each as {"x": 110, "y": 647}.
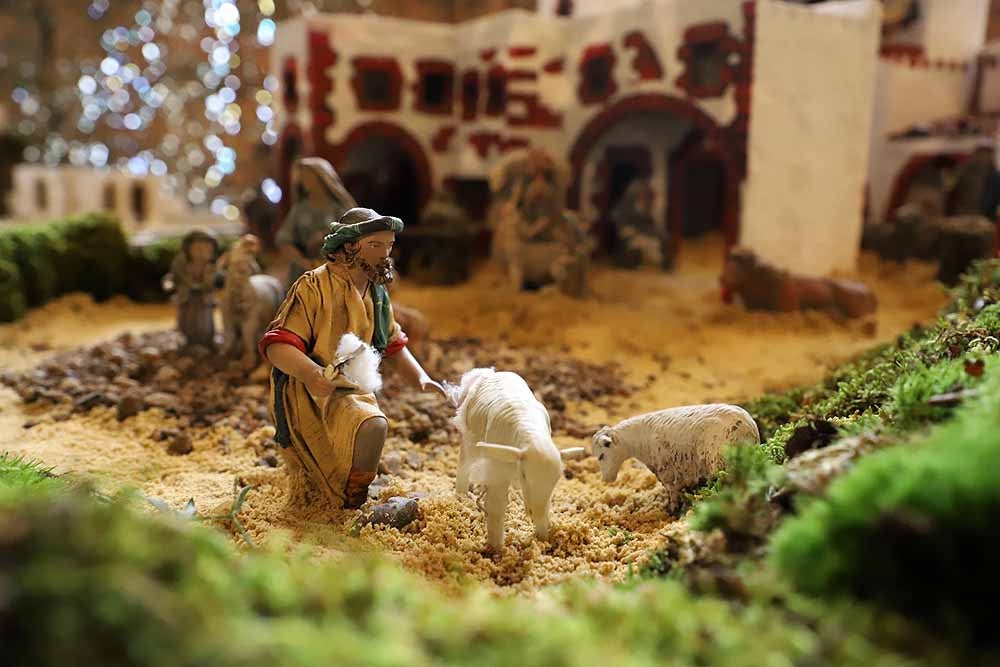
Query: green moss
{"x": 736, "y": 502}
{"x": 98, "y": 583}
{"x": 39, "y": 262}
{"x": 912, "y": 527}
{"x": 18, "y": 474}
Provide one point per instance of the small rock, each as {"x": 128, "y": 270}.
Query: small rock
{"x": 269, "y": 461}
{"x": 28, "y": 394}
{"x": 414, "y": 460}
{"x": 180, "y": 445}
{"x": 150, "y": 356}
{"x": 391, "y": 463}
{"x": 159, "y": 399}
{"x": 70, "y": 385}
{"x": 378, "y": 484}
{"x": 130, "y": 405}
{"x": 31, "y": 423}
{"x": 397, "y": 513}
{"x": 184, "y": 364}
{"x": 166, "y": 374}
{"x": 40, "y": 346}
{"x": 166, "y": 434}
{"x": 89, "y": 401}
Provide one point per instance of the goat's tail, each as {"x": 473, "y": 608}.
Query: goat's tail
{"x": 457, "y": 393}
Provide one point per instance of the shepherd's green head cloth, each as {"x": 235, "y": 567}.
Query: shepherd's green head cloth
{"x": 358, "y": 222}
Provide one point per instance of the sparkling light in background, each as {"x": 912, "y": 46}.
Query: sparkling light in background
{"x": 144, "y": 104}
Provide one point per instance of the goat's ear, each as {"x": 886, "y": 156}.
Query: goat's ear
{"x": 572, "y": 453}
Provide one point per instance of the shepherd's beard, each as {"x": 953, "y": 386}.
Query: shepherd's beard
{"x": 381, "y": 273}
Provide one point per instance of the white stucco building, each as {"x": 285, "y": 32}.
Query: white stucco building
{"x": 767, "y": 119}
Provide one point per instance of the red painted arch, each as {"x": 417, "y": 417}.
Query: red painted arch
{"x": 396, "y": 134}
{"x": 605, "y": 120}
{"x": 716, "y": 143}
{"x": 901, "y": 184}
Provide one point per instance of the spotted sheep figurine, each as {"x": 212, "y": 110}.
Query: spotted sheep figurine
{"x": 506, "y": 441}
{"x": 681, "y": 446}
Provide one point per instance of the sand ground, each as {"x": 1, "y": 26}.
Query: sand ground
{"x": 669, "y": 332}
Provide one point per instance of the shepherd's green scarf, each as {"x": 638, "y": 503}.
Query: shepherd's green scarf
{"x": 383, "y": 317}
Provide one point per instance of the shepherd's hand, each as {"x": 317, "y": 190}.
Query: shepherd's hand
{"x": 319, "y": 386}
{"x": 428, "y": 385}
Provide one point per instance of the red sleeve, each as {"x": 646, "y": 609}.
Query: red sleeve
{"x": 396, "y": 345}
{"x": 280, "y": 336}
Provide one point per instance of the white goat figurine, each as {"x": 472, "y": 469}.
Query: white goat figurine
{"x": 681, "y": 446}
{"x": 506, "y": 440}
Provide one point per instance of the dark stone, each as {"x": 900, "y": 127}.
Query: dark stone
{"x": 180, "y": 445}
{"x": 814, "y": 435}
{"x": 269, "y": 461}
{"x": 90, "y": 401}
{"x": 130, "y": 405}
{"x": 397, "y": 513}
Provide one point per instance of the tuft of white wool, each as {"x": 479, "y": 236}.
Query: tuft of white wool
{"x": 681, "y": 445}
{"x": 457, "y": 393}
{"x": 362, "y": 370}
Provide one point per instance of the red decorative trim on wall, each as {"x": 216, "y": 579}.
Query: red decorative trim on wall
{"x": 392, "y": 132}
{"x": 321, "y": 59}
{"x": 532, "y": 112}
{"x": 483, "y": 141}
{"x": 707, "y": 33}
{"x": 470, "y": 94}
{"x": 441, "y": 138}
{"x": 912, "y": 51}
{"x": 487, "y": 55}
{"x": 430, "y": 67}
{"x": 521, "y": 51}
{"x": 496, "y": 91}
{"x": 555, "y": 66}
{"x": 597, "y": 61}
{"x": 645, "y": 63}
{"x": 390, "y": 68}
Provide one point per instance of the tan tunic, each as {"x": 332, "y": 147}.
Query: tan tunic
{"x": 320, "y": 308}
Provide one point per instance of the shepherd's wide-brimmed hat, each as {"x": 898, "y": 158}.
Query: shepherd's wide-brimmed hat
{"x": 358, "y": 222}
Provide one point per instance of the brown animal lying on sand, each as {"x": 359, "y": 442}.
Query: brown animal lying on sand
{"x": 763, "y": 287}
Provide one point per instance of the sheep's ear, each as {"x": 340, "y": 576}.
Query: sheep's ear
{"x": 603, "y": 438}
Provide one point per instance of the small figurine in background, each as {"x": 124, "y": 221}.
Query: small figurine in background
{"x": 536, "y": 240}
{"x": 764, "y": 287}
{"x": 320, "y": 198}
{"x": 638, "y": 239}
{"x": 192, "y": 281}
{"x": 249, "y": 300}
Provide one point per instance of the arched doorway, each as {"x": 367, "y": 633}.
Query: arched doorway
{"x": 385, "y": 168}
{"x": 926, "y": 182}
{"x": 672, "y": 144}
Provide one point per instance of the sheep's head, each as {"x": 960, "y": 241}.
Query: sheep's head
{"x": 610, "y": 454}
